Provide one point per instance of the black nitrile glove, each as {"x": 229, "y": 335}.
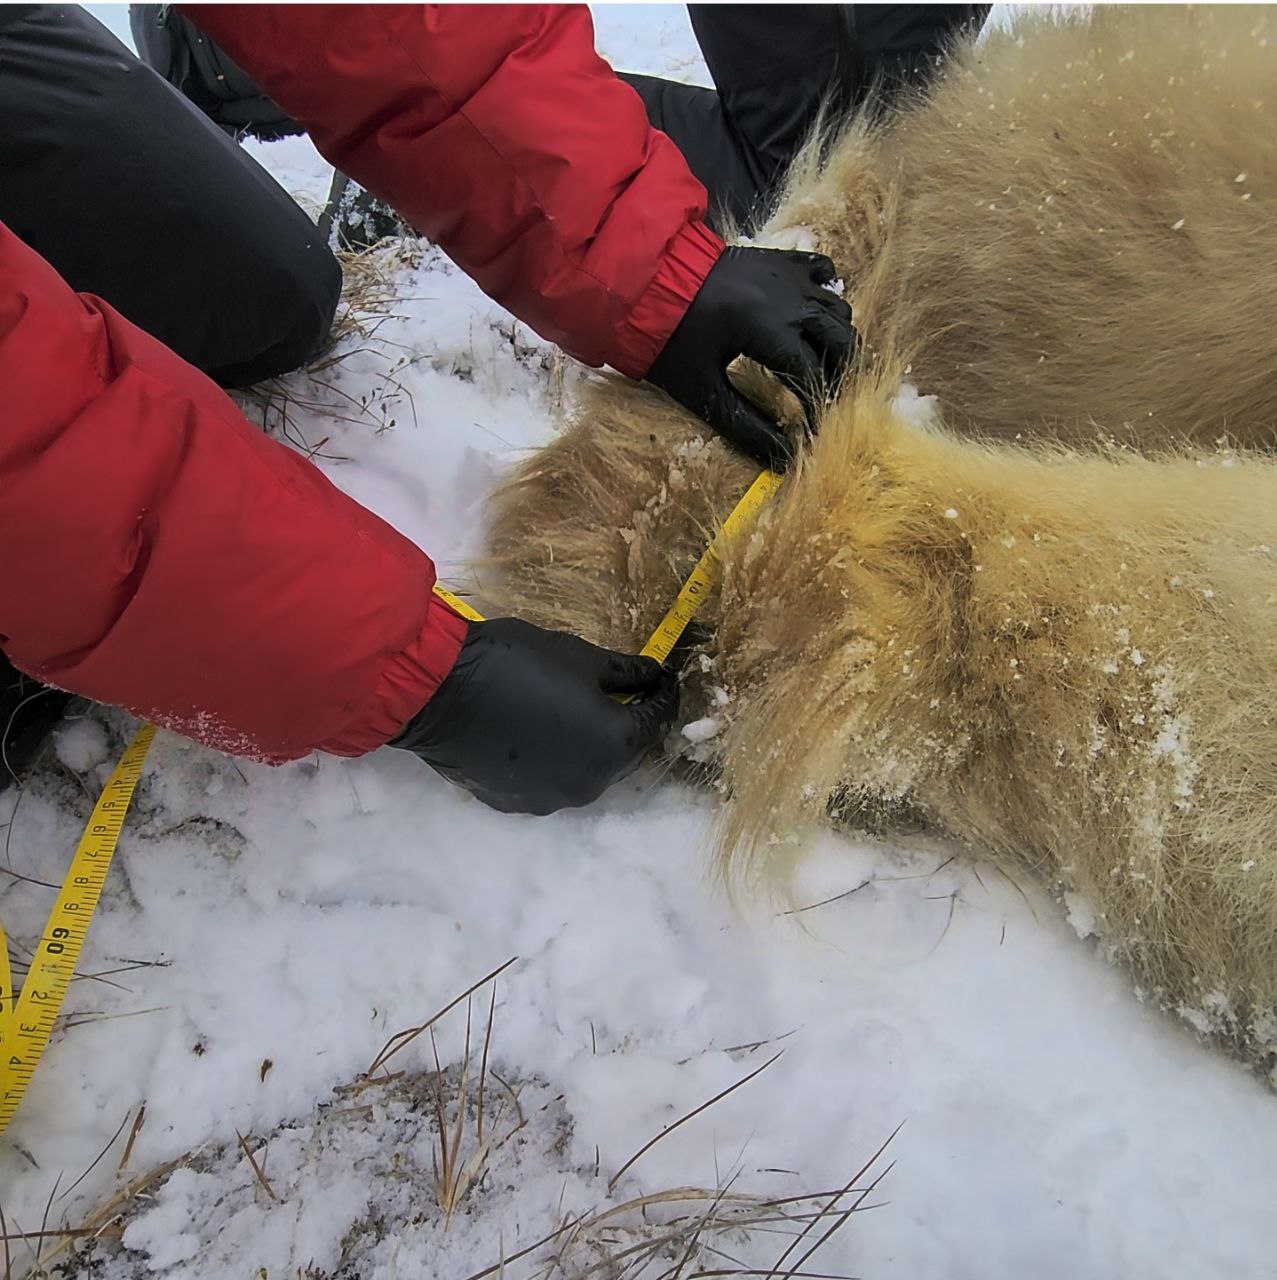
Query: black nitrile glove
{"x": 769, "y": 305}
{"x": 525, "y": 724}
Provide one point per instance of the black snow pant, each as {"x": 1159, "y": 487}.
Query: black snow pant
{"x": 134, "y": 195}
{"x": 775, "y": 68}
{"x": 126, "y": 188}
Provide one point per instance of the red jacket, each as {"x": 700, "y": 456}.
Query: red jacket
{"x": 159, "y": 551}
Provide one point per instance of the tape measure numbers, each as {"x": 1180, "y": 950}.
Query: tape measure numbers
{"x": 27, "y": 1021}
{"x": 457, "y": 605}
{"x": 700, "y": 582}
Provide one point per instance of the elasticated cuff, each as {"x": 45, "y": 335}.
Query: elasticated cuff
{"x": 647, "y": 328}
{"x": 408, "y": 682}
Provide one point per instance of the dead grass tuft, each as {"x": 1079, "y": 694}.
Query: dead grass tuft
{"x": 478, "y": 1132}
{"x": 372, "y": 296}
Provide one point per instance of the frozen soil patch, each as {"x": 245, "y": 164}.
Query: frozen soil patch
{"x": 395, "y": 1177}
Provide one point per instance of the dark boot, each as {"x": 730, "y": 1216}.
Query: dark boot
{"x": 355, "y": 220}
{"x": 776, "y": 69}
{"x": 175, "y": 48}
{"x": 28, "y": 713}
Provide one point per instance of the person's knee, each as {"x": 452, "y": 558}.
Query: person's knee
{"x": 306, "y": 296}
{"x": 190, "y": 238}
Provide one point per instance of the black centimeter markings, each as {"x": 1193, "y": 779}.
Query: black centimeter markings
{"x": 28, "y": 1021}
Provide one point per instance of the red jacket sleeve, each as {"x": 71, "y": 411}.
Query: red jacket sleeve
{"x": 161, "y": 553}
{"x": 497, "y": 131}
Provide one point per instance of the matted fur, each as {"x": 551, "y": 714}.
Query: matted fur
{"x": 1065, "y": 659}
{"x": 1068, "y": 662}
{"x": 1077, "y": 226}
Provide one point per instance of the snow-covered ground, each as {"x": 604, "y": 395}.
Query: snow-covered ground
{"x": 288, "y": 922}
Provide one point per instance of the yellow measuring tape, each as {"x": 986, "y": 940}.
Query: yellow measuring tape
{"x": 700, "y": 581}
{"x": 27, "y": 1021}
{"x": 697, "y": 585}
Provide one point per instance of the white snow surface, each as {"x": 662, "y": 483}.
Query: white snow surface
{"x": 1053, "y": 1126}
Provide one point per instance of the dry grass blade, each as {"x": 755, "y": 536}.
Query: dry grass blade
{"x": 133, "y": 1133}
{"x": 454, "y": 1172}
{"x": 824, "y": 902}
{"x": 57, "y": 1233}
{"x": 833, "y": 1200}
{"x": 483, "y": 1065}
{"x": 258, "y": 1171}
{"x": 99, "y": 1223}
{"x": 645, "y": 1251}
{"x": 840, "y": 1222}
{"x": 25, "y": 954}
{"x": 812, "y": 1196}
{"x": 678, "y": 1195}
{"x": 690, "y": 1245}
{"x": 48, "y": 1204}
{"x": 513, "y": 1095}
{"x": 440, "y": 1159}
{"x": 401, "y": 1039}
{"x": 371, "y": 297}
{"x": 653, "y": 1246}
{"x": 747, "y": 1271}
{"x": 718, "y": 1097}
{"x": 498, "y": 1268}
{"x": 459, "y": 1124}
{"x": 691, "y": 1237}
{"x": 93, "y": 1016}
{"x": 473, "y": 1167}
{"x": 4, "y": 1238}
{"x": 18, "y": 876}
{"x": 591, "y": 1228}
{"x": 758, "y": 1044}
{"x": 452, "y": 1178}
{"x": 97, "y": 1159}
{"x": 694, "y": 1237}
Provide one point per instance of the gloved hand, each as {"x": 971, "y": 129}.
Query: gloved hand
{"x": 767, "y": 304}
{"x": 523, "y": 721}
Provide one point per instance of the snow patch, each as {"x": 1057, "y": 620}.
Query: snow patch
{"x": 703, "y": 730}
{"x": 1081, "y": 915}
{"x": 81, "y": 744}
